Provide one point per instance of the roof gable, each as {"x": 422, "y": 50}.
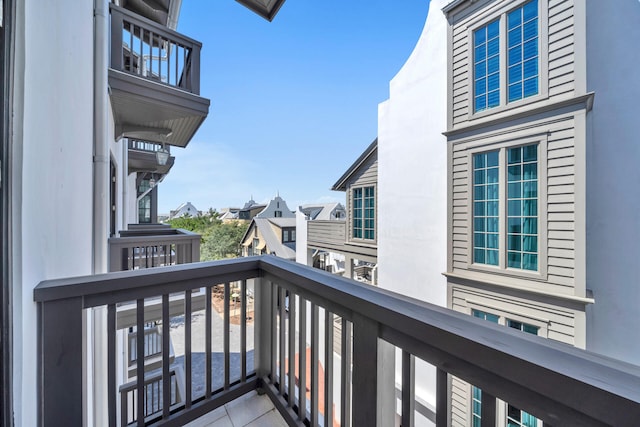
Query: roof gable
{"x": 372, "y": 150}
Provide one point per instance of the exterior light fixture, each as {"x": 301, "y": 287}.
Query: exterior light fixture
{"x": 162, "y": 155}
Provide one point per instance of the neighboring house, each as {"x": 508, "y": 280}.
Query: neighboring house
{"x": 185, "y": 209}
{"x": 229, "y": 214}
{"x": 332, "y": 262}
{"x": 323, "y": 211}
{"x": 250, "y": 210}
{"x": 277, "y": 208}
{"x": 270, "y": 236}
{"x": 542, "y": 165}
{"x": 355, "y": 237}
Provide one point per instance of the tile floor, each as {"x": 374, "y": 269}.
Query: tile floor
{"x": 250, "y": 410}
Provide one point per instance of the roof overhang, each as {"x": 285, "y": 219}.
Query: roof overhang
{"x": 265, "y": 8}
{"x": 164, "y": 12}
{"x": 155, "y": 112}
{"x": 340, "y": 185}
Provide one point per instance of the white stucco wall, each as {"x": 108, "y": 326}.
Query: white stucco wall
{"x": 412, "y": 170}
{"x": 302, "y": 253}
{"x": 51, "y": 168}
{"x": 613, "y": 178}
{"x": 412, "y": 177}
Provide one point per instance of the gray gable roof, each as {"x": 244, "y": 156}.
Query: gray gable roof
{"x": 273, "y": 241}
{"x": 340, "y": 185}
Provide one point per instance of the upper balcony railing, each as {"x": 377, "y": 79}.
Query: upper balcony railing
{"x": 320, "y": 346}
{"x": 140, "y": 145}
{"x": 154, "y": 52}
{"x": 152, "y": 245}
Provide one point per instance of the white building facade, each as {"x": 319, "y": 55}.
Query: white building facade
{"x": 71, "y": 179}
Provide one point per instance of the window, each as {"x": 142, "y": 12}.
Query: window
{"x": 521, "y": 44}
{"x": 364, "y": 213}
{"x": 486, "y": 64}
{"x": 517, "y": 214}
{"x": 522, "y": 200}
{"x": 144, "y": 204}
{"x": 288, "y": 235}
{"x": 476, "y": 393}
{"x": 277, "y": 214}
{"x": 486, "y": 204}
{"x": 256, "y": 245}
{"x": 522, "y": 59}
{"x": 515, "y": 416}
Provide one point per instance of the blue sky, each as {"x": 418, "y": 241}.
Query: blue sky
{"x": 293, "y": 102}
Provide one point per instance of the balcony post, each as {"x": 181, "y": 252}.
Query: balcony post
{"x": 195, "y": 249}
{"x": 365, "y": 372}
{"x": 60, "y": 361}
{"x": 262, "y": 326}
{"x": 117, "y": 22}
{"x": 194, "y": 70}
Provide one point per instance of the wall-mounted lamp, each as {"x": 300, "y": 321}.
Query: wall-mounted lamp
{"x": 162, "y": 155}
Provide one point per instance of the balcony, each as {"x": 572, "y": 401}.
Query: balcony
{"x": 331, "y": 236}
{"x": 142, "y": 158}
{"x": 270, "y": 325}
{"x": 154, "y": 80}
{"x": 153, "y": 245}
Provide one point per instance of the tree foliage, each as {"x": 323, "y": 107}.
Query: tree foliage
{"x": 220, "y": 240}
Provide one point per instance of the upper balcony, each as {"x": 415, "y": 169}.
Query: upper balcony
{"x": 152, "y": 245}
{"x": 143, "y": 157}
{"x": 332, "y": 236}
{"x": 322, "y": 347}
{"x": 154, "y": 79}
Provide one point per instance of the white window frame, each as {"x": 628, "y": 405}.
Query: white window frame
{"x": 543, "y": 57}
{"x": 502, "y": 146}
{"x": 375, "y": 213}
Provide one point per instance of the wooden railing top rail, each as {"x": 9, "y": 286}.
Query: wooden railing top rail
{"x": 553, "y": 381}
{"x": 154, "y": 232}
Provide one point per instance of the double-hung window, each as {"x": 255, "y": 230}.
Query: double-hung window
{"x": 510, "y": 41}
{"x": 505, "y": 214}
{"x": 363, "y": 213}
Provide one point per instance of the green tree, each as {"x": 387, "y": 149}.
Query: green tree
{"x": 218, "y": 240}
{"x": 222, "y": 241}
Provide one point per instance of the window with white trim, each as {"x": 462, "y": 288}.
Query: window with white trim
{"x": 363, "y": 213}
{"x": 515, "y": 417}
{"x": 520, "y": 45}
{"x": 516, "y": 213}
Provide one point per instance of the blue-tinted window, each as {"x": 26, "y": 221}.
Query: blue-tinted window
{"x": 515, "y": 416}
{"x": 522, "y": 207}
{"x": 476, "y": 393}
{"x": 486, "y": 208}
{"x": 357, "y": 213}
{"x": 522, "y": 52}
{"x": 363, "y": 218}
{"x": 486, "y": 65}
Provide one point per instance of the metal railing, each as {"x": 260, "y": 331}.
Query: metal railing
{"x": 154, "y": 245}
{"x": 154, "y": 52}
{"x": 140, "y": 145}
{"x": 294, "y": 357}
